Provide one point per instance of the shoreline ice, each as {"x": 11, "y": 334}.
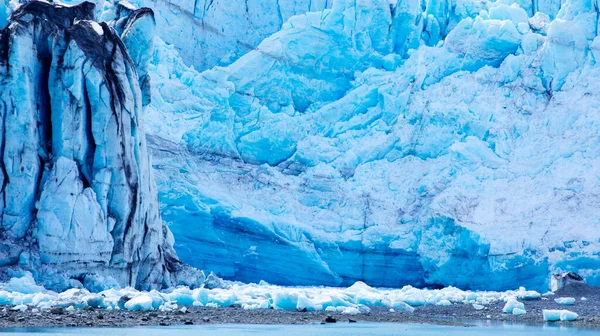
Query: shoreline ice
{"x": 25, "y": 294}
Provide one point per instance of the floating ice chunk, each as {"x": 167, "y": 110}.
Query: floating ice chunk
{"x": 559, "y": 315}
{"x": 518, "y": 311}
{"x": 142, "y": 302}
{"x": 70, "y": 308}
{"x": 583, "y": 299}
{"x": 511, "y": 304}
{"x": 197, "y": 304}
{"x": 331, "y": 309}
{"x": 565, "y": 301}
{"x": 212, "y": 305}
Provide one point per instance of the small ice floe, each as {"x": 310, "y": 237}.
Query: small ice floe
{"x": 392, "y": 310}
{"x": 559, "y": 315}
{"x": 583, "y": 299}
{"x": 70, "y": 308}
{"x": 478, "y": 306}
{"x": 511, "y": 304}
{"x": 567, "y": 301}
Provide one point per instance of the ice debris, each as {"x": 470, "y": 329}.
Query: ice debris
{"x": 559, "y": 315}
{"x": 512, "y": 304}
{"x": 352, "y": 300}
{"x": 565, "y": 301}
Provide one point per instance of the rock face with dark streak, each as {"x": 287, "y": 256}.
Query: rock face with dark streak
{"x": 77, "y": 194}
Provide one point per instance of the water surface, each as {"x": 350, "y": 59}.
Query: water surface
{"x": 345, "y": 329}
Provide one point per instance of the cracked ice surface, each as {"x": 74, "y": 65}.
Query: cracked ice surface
{"x": 447, "y": 143}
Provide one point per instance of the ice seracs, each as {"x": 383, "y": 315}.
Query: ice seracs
{"x": 423, "y": 145}
{"x": 79, "y": 198}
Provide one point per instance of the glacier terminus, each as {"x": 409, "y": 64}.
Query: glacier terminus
{"x": 429, "y": 143}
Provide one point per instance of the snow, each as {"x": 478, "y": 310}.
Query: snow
{"x": 559, "y": 315}
{"x": 565, "y": 300}
{"x": 97, "y": 28}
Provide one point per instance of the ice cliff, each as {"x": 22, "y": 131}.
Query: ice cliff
{"x": 78, "y": 201}
{"x": 429, "y": 143}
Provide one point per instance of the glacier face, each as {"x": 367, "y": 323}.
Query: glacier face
{"x": 79, "y": 202}
{"x": 411, "y": 142}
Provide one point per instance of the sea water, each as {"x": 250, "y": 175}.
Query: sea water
{"x": 340, "y": 329}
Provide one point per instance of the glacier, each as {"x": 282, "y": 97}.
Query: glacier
{"x": 78, "y": 201}
{"x": 425, "y": 143}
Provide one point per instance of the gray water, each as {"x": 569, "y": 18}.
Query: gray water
{"x": 354, "y": 329}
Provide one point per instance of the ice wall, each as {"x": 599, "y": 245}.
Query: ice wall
{"x": 410, "y": 142}
{"x": 217, "y": 32}
{"x": 78, "y": 199}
